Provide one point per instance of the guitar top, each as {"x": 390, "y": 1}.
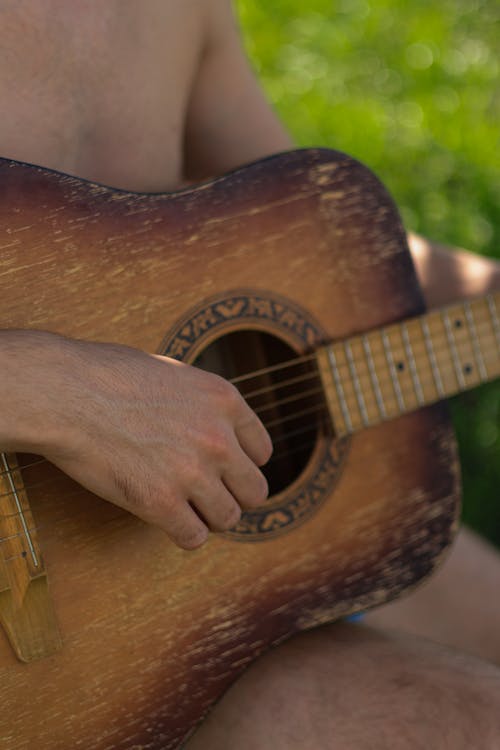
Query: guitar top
{"x": 290, "y": 277}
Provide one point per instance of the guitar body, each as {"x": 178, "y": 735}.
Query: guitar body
{"x": 303, "y": 248}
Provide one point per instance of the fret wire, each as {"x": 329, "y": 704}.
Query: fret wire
{"x": 356, "y": 383}
{"x": 432, "y": 358}
{"x": 19, "y": 509}
{"x": 392, "y": 368}
{"x": 454, "y": 353}
{"x": 439, "y": 338}
{"x": 412, "y": 364}
{"x": 495, "y": 363}
{"x": 494, "y": 317}
{"x": 373, "y": 376}
{"x": 377, "y": 359}
{"x": 340, "y": 390}
{"x": 478, "y": 355}
{"x": 18, "y": 535}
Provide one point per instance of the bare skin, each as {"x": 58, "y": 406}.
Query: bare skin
{"x": 145, "y": 101}
{"x": 127, "y": 120}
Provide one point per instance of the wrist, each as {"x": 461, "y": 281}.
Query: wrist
{"x": 32, "y": 366}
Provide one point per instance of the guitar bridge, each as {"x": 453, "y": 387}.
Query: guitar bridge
{"x": 26, "y": 610}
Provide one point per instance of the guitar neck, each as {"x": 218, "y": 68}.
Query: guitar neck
{"x": 397, "y": 369}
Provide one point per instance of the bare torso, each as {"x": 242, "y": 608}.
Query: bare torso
{"x": 143, "y": 94}
{"x": 130, "y": 94}
{"x": 98, "y": 89}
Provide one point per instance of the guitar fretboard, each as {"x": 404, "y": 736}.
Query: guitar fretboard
{"x": 397, "y": 369}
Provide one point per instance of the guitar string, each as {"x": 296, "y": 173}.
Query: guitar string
{"x": 425, "y": 382}
{"x": 300, "y": 360}
{"x": 276, "y": 422}
{"x": 344, "y": 368}
{"x": 288, "y": 400}
{"x": 455, "y": 308}
{"x": 257, "y": 410}
{"x": 267, "y": 389}
{"x": 50, "y": 526}
{"x": 284, "y": 365}
{"x": 81, "y": 490}
{"x": 25, "y": 466}
{"x": 377, "y": 359}
{"x": 275, "y": 458}
{"x": 277, "y": 385}
{"x": 273, "y": 368}
{"x": 253, "y": 375}
{"x": 318, "y": 407}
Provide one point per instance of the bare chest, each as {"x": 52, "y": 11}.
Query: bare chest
{"x": 99, "y": 89}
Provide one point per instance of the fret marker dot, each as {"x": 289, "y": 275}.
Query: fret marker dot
{"x": 24, "y": 553}
{"x": 458, "y": 323}
{"x": 467, "y": 369}
{"x": 400, "y": 366}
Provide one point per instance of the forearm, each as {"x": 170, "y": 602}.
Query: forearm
{"x": 28, "y": 389}
{"x": 148, "y": 433}
{"x": 448, "y": 275}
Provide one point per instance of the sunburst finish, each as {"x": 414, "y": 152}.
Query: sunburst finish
{"x": 153, "y": 635}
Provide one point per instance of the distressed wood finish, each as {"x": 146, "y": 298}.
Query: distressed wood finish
{"x": 26, "y": 609}
{"x": 396, "y": 369}
{"x": 152, "y": 635}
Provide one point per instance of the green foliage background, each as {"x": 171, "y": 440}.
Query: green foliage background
{"x": 412, "y": 89}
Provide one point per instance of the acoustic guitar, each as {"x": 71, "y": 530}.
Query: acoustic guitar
{"x": 292, "y": 278}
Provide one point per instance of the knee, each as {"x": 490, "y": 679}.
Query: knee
{"x": 411, "y": 692}
{"x": 354, "y": 688}
{"x": 462, "y": 697}
{"x": 380, "y": 690}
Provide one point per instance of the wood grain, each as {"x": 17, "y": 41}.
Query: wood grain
{"x": 153, "y": 635}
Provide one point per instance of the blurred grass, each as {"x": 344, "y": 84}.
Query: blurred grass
{"x": 412, "y": 89}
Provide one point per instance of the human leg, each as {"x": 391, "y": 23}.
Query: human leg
{"x": 460, "y": 604}
{"x": 350, "y": 687}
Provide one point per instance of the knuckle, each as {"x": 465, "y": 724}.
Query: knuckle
{"x": 158, "y": 507}
{"x": 192, "y": 475}
{"x": 137, "y": 493}
{"x": 217, "y": 444}
{"x": 151, "y": 501}
{"x": 226, "y": 392}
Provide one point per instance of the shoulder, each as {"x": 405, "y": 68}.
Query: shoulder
{"x": 229, "y": 121}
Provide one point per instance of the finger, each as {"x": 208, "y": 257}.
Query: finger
{"x": 219, "y": 509}
{"x": 155, "y": 504}
{"x": 253, "y": 436}
{"x": 245, "y": 481}
{"x": 184, "y": 527}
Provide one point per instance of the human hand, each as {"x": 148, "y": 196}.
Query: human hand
{"x": 173, "y": 444}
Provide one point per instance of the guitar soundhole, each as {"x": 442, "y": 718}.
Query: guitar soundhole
{"x": 282, "y": 387}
